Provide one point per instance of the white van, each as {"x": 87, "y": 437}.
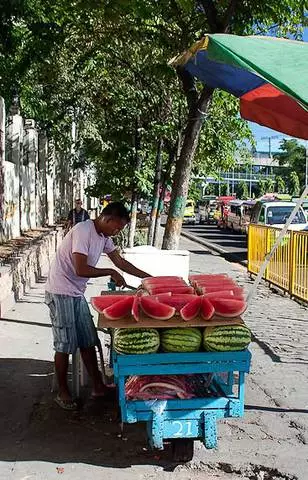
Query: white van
{"x": 276, "y": 214}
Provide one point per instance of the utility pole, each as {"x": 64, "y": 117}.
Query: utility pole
{"x": 270, "y": 138}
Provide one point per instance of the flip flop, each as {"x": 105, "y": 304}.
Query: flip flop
{"x": 66, "y": 404}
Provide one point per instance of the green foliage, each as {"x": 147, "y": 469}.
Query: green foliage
{"x": 293, "y": 158}
{"x": 280, "y": 184}
{"x": 241, "y": 190}
{"x": 294, "y": 185}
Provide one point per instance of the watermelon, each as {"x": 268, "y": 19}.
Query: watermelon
{"x": 160, "y": 296}
{"x": 154, "y": 309}
{"x": 177, "y": 300}
{"x": 191, "y": 309}
{"x": 136, "y": 340}
{"x": 228, "y": 307}
{"x": 136, "y": 309}
{"x": 181, "y": 339}
{"x": 220, "y": 294}
{"x": 103, "y": 301}
{"x": 119, "y": 309}
{"x": 207, "y": 310}
{"x": 172, "y": 289}
{"x": 162, "y": 281}
{"x": 208, "y": 276}
{"x": 226, "y": 338}
{"x": 217, "y": 288}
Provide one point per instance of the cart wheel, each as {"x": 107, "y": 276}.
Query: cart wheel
{"x": 182, "y": 449}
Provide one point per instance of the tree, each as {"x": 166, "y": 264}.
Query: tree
{"x": 242, "y": 190}
{"x": 280, "y": 184}
{"x": 293, "y": 159}
{"x": 294, "y": 185}
{"x": 220, "y": 18}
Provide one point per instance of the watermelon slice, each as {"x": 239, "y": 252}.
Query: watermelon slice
{"x": 119, "y": 309}
{"x": 220, "y": 294}
{"x": 228, "y": 307}
{"x": 163, "y": 281}
{"x": 136, "y": 309}
{"x": 183, "y": 289}
{"x": 207, "y": 276}
{"x": 217, "y": 288}
{"x": 178, "y": 301}
{"x": 160, "y": 296}
{"x": 207, "y": 310}
{"x": 191, "y": 309}
{"x": 154, "y": 309}
{"x": 103, "y": 301}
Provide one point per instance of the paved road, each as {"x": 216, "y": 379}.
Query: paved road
{"x": 230, "y": 243}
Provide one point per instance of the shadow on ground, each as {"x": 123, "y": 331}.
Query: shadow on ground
{"x": 34, "y": 428}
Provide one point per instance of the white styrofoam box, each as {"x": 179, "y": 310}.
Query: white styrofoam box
{"x": 156, "y": 262}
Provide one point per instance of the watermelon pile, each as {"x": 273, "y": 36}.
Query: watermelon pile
{"x": 226, "y": 338}
{"x": 173, "y": 284}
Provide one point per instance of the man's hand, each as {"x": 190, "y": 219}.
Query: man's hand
{"x": 118, "y": 279}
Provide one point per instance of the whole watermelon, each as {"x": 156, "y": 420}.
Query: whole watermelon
{"x": 226, "y": 338}
{"x": 181, "y": 340}
{"x": 136, "y": 340}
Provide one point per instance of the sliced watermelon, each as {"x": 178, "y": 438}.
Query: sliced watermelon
{"x": 103, "y": 301}
{"x": 178, "y": 301}
{"x": 228, "y": 307}
{"x": 154, "y": 309}
{"x": 160, "y": 296}
{"x": 191, "y": 309}
{"x": 220, "y": 293}
{"x": 162, "y": 280}
{"x": 217, "y": 288}
{"x": 207, "y": 310}
{"x": 207, "y": 276}
{"x": 119, "y": 309}
{"x": 136, "y": 309}
{"x": 183, "y": 289}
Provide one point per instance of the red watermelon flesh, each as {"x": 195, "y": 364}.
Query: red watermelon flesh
{"x": 207, "y": 310}
{"x": 191, "y": 309}
{"x": 177, "y": 301}
{"x": 103, "y": 301}
{"x": 172, "y": 289}
{"x": 195, "y": 279}
{"x": 119, "y": 309}
{"x": 227, "y": 307}
{"x": 217, "y": 288}
{"x": 162, "y": 280}
{"x": 214, "y": 284}
{"x": 154, "y": 309}
{"x": 220, "y": 293}
{"x": 206, "y": 276}
{"x": 136, "y": 309}
{"x": 160, "y": 296}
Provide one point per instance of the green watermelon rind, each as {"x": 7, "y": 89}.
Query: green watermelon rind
{"x": 181, "y": 340}
{"x": 227, "y": 338}
{"x": 136, "y": 341}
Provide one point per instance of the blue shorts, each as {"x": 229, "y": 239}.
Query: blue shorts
{"x": 72, "y": 323}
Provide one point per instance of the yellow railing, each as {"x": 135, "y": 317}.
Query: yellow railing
{"x": 288, "y": 268}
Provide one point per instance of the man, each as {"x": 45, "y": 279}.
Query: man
{"x": 74, "y": 264}
{"x": 76, "y": 215}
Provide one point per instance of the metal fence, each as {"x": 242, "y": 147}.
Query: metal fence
{"x": 288, "y": 268}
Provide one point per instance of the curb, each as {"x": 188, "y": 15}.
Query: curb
{"x": 231, "y": 257}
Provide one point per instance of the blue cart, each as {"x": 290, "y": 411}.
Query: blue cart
{"x": 183, "y": 421}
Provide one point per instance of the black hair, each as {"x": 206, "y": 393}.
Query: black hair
{"x": 116, "y": 209}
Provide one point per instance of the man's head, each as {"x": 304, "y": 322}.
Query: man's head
{"x": 78, "y": 204}
{"x": 113, "y": 219}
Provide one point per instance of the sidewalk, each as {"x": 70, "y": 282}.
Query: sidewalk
{"x": 39, "y": 441}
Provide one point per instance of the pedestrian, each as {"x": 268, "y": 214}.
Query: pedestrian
{"x": 74, "y": 264}
{"x": 76, "y": 215}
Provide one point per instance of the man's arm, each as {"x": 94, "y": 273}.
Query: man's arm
{"x": 84, "y": 270}
{"x": 126, "y": 266}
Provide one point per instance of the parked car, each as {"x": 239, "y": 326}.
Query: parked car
{"x": 189, "y": 212}
{"x": 276, "y": 214}
{"x": 239, "y": 214}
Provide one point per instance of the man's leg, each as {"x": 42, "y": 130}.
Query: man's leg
{"x": 90, "y": 360}
{"x": 61, "y": 367}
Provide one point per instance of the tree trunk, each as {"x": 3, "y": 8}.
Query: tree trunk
{"x": 156, "y": 191}
{"x": 164, "y": 184}
{"x": 134, "y": 203}
{"x": 198, "y": 110}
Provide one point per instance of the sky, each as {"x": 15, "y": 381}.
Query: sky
{"x": 259, "y": 131}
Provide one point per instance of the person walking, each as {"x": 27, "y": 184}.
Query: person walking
{"x": 74, "y": 263}
{"x": 76, "y": 215}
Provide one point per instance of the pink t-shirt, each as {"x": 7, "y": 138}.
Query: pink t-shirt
{"x": 83, "y": 238}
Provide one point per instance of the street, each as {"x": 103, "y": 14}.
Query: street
{"x": 39, "y": 441}
{"x": 232, "y": 245}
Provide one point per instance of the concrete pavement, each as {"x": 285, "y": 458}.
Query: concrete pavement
{"x": 40, "y": 442}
